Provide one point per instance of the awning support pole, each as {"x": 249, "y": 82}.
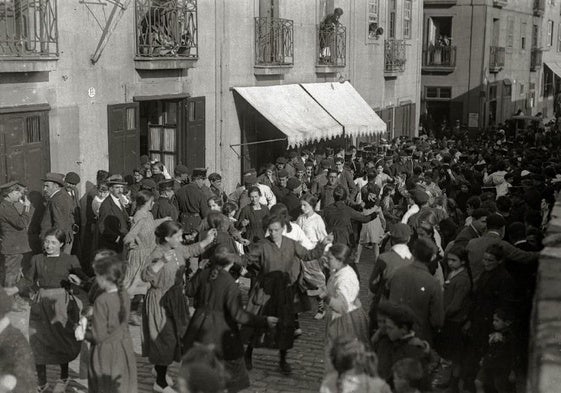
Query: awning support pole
{"x": 254, "y": 143}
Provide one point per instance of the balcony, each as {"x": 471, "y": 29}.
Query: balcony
{"x": 28, "y": 35}
{"x": 440, "y": 3}
{"x": 500, "y": 3}
{"x": 496, "y": 58}
{"x": 439, "y": 58}
{"x": 166, "y": 34}
{"x": 539, "y": 7}
{"x": 274, "y": 46}
{"x": 395, "y": 57}
{"x": 332, "y": 53}
{"x": 536, "y": 59}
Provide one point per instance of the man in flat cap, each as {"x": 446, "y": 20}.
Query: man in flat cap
{"x": 345, "y": 178}
{"x": 292, "y": 199}
{"x": 166, "y": 205}
{"x": 113, "y": 222}
{"x": 321, "y": 178}
{"x": 15, "y": 215}
{"x": 181, "y": 177}
{"x": 71, "y": 180}
{"x": 59, "y": 211}
{"x": 280, "y": 190}
{"x": 192, "y": 201}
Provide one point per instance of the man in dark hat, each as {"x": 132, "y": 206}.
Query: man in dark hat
{"x": 59, "y": 211}
{"x": 326, "y": 192}
{"x": 293, "y": 159}
{"x": 166, "y": 205}
{"x": 280, "y": 190}
{"x": 321, "y": 179}
{"x": 292, "y": 199}
{"x": 71, "y": 180}
{"x": 345, "y": 178}
{"x": 192, "y": 201}
{"x": 15, "y": 216}
{"x": 181, "y": 177}
{"x": 216, "y": 186}
{"x": 113, "y": 222}
{"x": 280, "y": 164}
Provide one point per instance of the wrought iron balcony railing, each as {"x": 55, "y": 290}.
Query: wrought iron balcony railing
{"x": 440, "y": 56}
{"x": 496, "y": 58}
{"x": 274, "y": 42}
{"x": 332, "y": 45}
{"x": 536, "y": 59}
{"x": 395, "y": 56}
{"x": 166, "y": 29}
{"x": 28, "y": 29}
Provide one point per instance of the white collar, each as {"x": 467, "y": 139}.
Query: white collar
{"x": 402, "y": 250}
{"x": 116, "y": 200}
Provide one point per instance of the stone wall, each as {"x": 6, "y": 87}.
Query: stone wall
{"x": 544, "y": 372}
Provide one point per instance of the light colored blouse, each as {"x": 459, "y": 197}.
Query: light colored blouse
{"x": 313, "y": 227}
{"x": 343, "y": 287}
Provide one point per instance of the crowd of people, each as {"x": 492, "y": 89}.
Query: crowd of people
{"x": 450, "y": 230}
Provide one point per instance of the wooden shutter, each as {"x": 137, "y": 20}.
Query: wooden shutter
{"x": 123, "y": 137}
{"x": 24, "y": 152}
{"x": 194, "y": 134}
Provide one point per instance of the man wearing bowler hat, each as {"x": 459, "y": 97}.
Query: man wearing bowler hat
{"x": 113, "y": 222}
{"x": 15, "y": 215}
{"x": 59, "y": 211}
{"x": 192, "y": 201}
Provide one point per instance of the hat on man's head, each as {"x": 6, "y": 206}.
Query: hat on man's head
{"x": 55, "y": 178}
{"x": 282, "y": 173}
{"x": 180, "y": 170}
{"x": 299, "y": 167}
{"x": 400, "y": 314}
{"x": 72, "y": 178}
{"x": 325, "y": 164}
{"x": 292, "y": 155}
{"x": 166, "y": 184}
{"x": 400, "y": 232}
{"x": 419, "y": 196}
{"x": 293, "y": 183}
{"x": 199, "y": 173}
{"x": 9, "y": 185}
{"x": 281, "y": 160}
{"x": 249, "y": 179}
{"x": 144, "y": 159}
{"x": 495, "y": 221}
{"x": 214, "y": 177}
{"x": 339, "y": 160}
{"x": 148, "y": 184}
{"x": 116, "y": 180}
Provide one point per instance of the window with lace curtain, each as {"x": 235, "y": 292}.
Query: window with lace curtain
{"x": 162, "y": 134}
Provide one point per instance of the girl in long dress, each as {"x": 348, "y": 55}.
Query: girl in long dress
{"x": 112, "y": 366}
{"x": 218, "y": 312}
{"x": 166, "y": 313}
{"x": 55, "y": 310}
{"x": 346, "y": 317}
{"x": 251, "y": 216}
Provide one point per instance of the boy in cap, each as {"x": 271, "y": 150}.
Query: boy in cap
{"x": 280, "y": 190}
{"x": 166, "y": 205}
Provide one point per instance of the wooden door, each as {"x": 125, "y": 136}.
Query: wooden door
{"x": 123, "y": 138}
{"x": 193, "y": 135}
{"x": 24, "y": 148}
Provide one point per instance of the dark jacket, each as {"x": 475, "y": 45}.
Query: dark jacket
{"x": 14, "y": 223}
{"x": 338, "y": 217}
{"x": 165, "y": 207}
{"x": 113, "y": 224}
{"x": 218, "y": 311}
{"x": 59, "y": 213}
{"x": 293, "y": 205}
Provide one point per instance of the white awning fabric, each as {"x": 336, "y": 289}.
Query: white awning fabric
{"x": 555, "y": 66}
{"x": 344, "y": 103}
{"x": 291, "y": 109}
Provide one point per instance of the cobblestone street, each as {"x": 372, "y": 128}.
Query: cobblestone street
{"x": 307, "y": 357}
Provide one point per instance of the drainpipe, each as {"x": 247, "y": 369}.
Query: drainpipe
{"x": 220, "y": 30}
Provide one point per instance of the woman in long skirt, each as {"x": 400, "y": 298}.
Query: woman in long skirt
{"x": 347, "y": 317}
{"x": 166, "y": 314}
{"x": 55, "y": 310}
{"x": 218, "y": 311}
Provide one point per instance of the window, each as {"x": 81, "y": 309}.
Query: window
{"x": 32, "y": 129}
{"x": 510, "y": 32}
{"x": 493, "y": 92}
{"x": 162, "y": 133}
{"x": 523, "y": 28}
{"x": 373, "y": 18}
{"x": 559, "y": 37}
{"x": 549, "y": 33}
{"x": 438, "y": 93}
{"x": 407, "y": 16}
{"x": 547, "y": 82}
{"x": 392, "y": 18}
{"x": 522, "y": 89}
{"x": 507, "y": 91}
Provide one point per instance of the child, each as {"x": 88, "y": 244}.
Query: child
{"x": 355, "y": 369}
{"x": 396, "y": 339}
{"x": 112, "y": 367}
{"x": 498, "y": 363}
{"x": 407, "y": 376}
